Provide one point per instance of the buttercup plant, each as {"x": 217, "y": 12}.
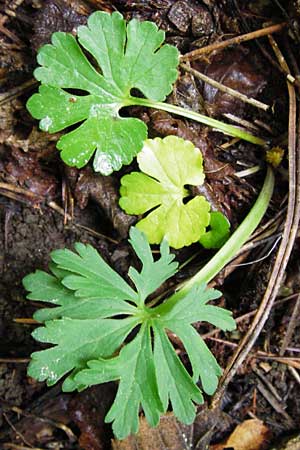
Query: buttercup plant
{"x": 96, "y": 310}
{"x": 101, "y": 327}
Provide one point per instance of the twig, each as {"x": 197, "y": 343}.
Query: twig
{"x": 241, "y": 122}
{"x": 14, "y": 360}
{"x": 26, "y": 320}
{"x": 18, "y": 190}
{"x": 19, "y": 447}
{"x": 269, "y": 385}
{"x": 255, "y": 261}
{"x": 16, "y": 197}
{"x": 61, "y": 211}
{"x": 234, "y": 41}
{"x": 294, "y": 321}
{"x": 61, "y": 426}
{"x": 275, "y": 403}
{"x": 15, "y": 92}
{"x": 248, "y": 172}
{"x": 294, "y": 373}
{"x": 226, "y": 89}
{"x": 289, "y": 361}
{"x": 20, "y": 435}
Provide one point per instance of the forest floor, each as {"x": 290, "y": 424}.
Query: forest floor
{"x": 45, "y": 205}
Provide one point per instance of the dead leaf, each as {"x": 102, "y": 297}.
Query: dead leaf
{"x": 88, "y": 409}
{"x": 169, "y": 435}
{"x": 236, "y": 69}
{"x": 249, "y": 435}
{"x": 25, "y": 170}
{"x": 102, "y": 190}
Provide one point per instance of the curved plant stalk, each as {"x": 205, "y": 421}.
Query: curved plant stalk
{"x": 238, "y": 238}
{"x": 205, "y": 120}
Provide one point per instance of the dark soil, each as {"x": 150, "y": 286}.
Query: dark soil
{"x": 33, "y": 222}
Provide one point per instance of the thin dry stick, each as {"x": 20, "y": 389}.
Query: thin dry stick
{"x": 291, "y": 327}
{"x": 234, "y": 41}
{"x": 61, "y": 211}
{"x": 15, "y": 92}
{"x": 284, "y": 251}
{"x": 15, "y": 197}
{"x": 241, "y": 122}
{"x": 276, "y": 405}
{"x": 26, "y": 320}
{"x": 289, "y": 361}
{"x": 14, "y": 360}
{"x": 226, "y": 89}
{"x": 7, "y": 445}
{"x": 44, "y": 419}
{"x": 18, "y": 433}
{"x": 18, "y": 190}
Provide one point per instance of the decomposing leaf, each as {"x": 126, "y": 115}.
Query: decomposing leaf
{"x": 56, "y": 15}
{"x": 251, "y": 434}
{"x": 26, "y": 170}
{"x": 232, "y": 68}
{"x": 169, "y": 435}
{"x": 134, "y": 58}
{"x": 87, "y": 410}
{"x": 104, "y": 191}
{"x": 167, "y": 165}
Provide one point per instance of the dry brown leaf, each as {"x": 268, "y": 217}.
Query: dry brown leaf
{"x": 169, "y": 435}
{"x": 250, "y": 435}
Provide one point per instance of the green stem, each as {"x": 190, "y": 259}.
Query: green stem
{"x": 218, "y": 125}
{"x": 238, "y": 238}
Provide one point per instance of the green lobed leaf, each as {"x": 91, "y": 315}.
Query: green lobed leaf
{"x": 193, "y": 308}
{"x": 219, "y": 231}
{"x": 178, "y": 315}
{"x": 168, "y": 165}
{"x": 90, "y": 276}
{"x": 127, "y": 57}
{"x": 174, "y": 382}
{"x": 76, "y": 341}
{"x": 92, "y": 316}
{"x": 153, "y": 274}
{"x": 134, "y": 367}
{"x": 47, "y": 288}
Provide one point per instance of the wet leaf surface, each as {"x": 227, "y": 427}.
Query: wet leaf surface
{"x": 25, "y": 170}
{"x": 234, "y": 68}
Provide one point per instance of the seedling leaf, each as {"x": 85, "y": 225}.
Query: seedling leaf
{"x": 167, "y": 165}
{"x": 129, "y": 57}
{"x": 219, "y": 232}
